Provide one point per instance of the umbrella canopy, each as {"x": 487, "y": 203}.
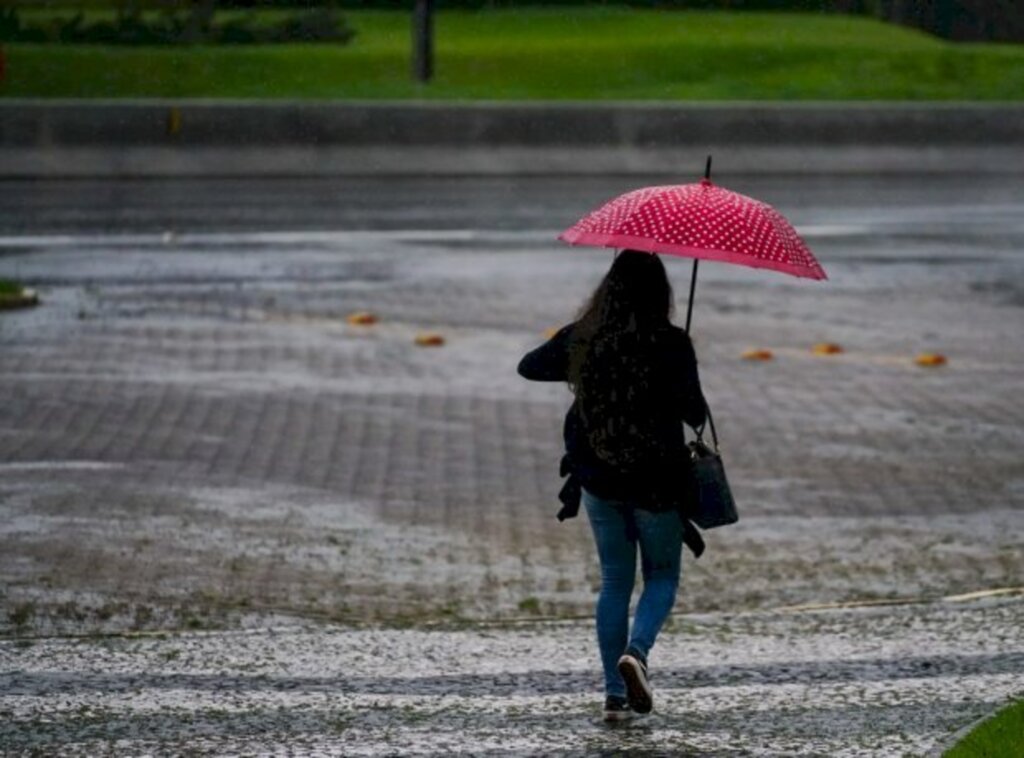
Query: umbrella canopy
{"x": 698, "y": 220}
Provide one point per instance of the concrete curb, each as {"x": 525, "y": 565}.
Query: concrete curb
{"x": 69, "y": 138}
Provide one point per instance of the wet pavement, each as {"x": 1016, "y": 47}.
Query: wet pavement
{"x": 846, "y": 683}
{"x": 193, "y": 438}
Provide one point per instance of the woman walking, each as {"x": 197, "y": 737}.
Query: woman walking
{"x": 634, "y": 378}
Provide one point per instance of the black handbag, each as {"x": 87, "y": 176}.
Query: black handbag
{"x": 714, "y": 504}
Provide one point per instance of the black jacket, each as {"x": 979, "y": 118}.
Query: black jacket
{"x": 668, "y": 482}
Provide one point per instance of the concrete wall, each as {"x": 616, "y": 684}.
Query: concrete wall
{"x": 189, "y": 138}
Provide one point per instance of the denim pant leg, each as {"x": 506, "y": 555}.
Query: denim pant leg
{"x": 661, "y": 546}
{"x": 618, "y": 572}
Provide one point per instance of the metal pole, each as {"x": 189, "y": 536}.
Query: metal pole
{"x": 423, "y": 40}
{"x": 693, "y": 276}
{"x": 693, "y": 287}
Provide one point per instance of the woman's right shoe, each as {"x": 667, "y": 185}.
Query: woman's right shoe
{"x": 617, "y": 708}
{"x": 633, "y": 668}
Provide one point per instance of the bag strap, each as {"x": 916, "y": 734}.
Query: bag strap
{"x": 708, "y": 421}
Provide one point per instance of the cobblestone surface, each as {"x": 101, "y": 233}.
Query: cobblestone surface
{"x": 850, "y": 683}
{"x": 192, "y": 436}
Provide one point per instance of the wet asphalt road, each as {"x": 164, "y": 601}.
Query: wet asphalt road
{"x": 905, "y": 229}
{"x": 978, "y": 207}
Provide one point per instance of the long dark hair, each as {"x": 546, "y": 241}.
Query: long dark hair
{"x": 613, "y": 355}
{"x": 634, "y": 297}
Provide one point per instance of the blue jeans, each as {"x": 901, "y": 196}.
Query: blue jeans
{"x": 660, "y": 537}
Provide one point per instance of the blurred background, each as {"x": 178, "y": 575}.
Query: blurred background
{"x": 754, "y": 50}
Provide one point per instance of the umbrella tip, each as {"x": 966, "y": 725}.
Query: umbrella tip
{"x": 707, "y": 168}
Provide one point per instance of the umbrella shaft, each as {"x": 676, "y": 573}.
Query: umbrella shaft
{"x": 693, "y": 287}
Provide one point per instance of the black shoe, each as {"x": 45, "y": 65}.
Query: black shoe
{"x": 633, "y": 668}
{"x": 616, "y": 708}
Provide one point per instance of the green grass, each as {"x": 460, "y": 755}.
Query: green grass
{"x": 556, "y": 54}
{"x": 999, "y": 737}
{"x": 8, "y": 287}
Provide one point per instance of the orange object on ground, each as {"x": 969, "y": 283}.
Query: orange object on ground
{"x": 827, "y": 348}
{"x": 429, "y": 339}
{"x": 550, "y": 332}
{"x": 361, "y": 318}
{"x": 930, "y": 359}
{"x": 758, "y": 355}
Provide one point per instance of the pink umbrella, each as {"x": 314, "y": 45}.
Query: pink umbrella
{"x": 698, "y": 221}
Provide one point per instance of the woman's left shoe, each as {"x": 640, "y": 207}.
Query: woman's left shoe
{"x": 616, "y": 708}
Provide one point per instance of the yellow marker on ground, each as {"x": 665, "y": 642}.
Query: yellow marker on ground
{"x": 429, "y": 339}
{"x": 930, "y": 359}
{"x": 827, "y": 348}
{"x": 757, "y": 355}
{"x": 361, "y": 318}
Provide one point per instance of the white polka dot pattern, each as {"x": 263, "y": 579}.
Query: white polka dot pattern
{"x": 698, "y": 221}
